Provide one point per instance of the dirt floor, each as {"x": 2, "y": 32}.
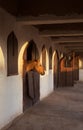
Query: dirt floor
{"x": 62, "y": 110}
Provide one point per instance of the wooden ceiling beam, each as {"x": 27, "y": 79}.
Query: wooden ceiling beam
{"x": 49, "y": 19}
{"x": 74, "y": 47}
{"x": 63, "y": 33}
{"x": 76, "y": 50}
{"x": 67, "y": 39}
{"x": 71, "y": 44}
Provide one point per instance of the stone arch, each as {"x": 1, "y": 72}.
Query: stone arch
{"x": 12, "y": 54}
{"x": 20, "y": 58}
{"x": 2, "y": 62}
{"x": 55, "y": 64}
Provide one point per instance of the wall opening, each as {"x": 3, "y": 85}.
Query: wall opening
{"x": 50, "y": 58}
{"x": 12, "y": 54}
{"x": 44, "y": 57}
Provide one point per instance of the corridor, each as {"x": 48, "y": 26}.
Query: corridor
{"x": 62, "y": 110}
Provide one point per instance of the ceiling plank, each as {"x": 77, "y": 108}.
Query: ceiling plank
{"x": 49, "y": 19}
{"x": 76, "y": 50}
{"x": 63, "y": 33}
{"x": 74, "y": 47}
{"x": 67, "y": 39}
{"x": 71, "y": 44}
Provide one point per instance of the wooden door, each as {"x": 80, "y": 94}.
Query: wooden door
{"x": 31, "y": 89}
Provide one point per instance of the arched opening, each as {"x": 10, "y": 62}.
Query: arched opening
{"x": 50, "y": 58}
{"x": 12, "y": 54}
{"x": 32, "y": 51}
{"x": 31, "y": 89}
{"x": 55, "y": 69}
{"x": 75, "y": 66}
{"x": 44, "y": 57}
{"x": 66, "y": 75}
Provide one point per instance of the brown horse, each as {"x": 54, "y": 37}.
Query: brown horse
{"x": 35, "y": 65}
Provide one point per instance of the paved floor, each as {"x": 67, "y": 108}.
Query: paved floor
{"x": 62, "y": 110}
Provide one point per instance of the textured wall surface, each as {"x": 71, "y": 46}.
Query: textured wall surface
{"x": 11, "y": 87}
{"x": 81, "y": 74}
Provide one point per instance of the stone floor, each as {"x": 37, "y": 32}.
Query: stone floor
{"x": 62, "y": 110}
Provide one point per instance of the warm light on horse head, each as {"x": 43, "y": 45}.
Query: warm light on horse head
{"x": 40, "y": 69}
{"x": 35, "y": 65}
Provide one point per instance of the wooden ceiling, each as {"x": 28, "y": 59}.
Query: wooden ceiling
{"x": 62, "y": 21}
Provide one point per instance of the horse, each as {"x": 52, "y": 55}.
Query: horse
{"x": 35, "y": 65}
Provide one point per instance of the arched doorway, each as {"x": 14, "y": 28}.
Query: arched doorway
{"x": 55, "y": 69}
{"x": 44, "y": 57}
{"x": 66, "y": 70}
{"x": 31, "y": 89}
{"x": 50, "y": 58}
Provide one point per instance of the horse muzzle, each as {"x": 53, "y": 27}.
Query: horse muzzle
{"x": 42, "y": 73}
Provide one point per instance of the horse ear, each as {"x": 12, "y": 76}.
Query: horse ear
{"x": 38, "y": 61}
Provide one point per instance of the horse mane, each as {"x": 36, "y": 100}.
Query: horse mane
{"x": 30, "y": 61}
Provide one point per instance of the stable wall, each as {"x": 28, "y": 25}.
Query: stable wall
{"x": 81, "y": 74}
{"x": 10, "y": 98}
{"x": 11, "y": 87}
{"x": 46, "y": 84}
{"x": 81, "y": 68}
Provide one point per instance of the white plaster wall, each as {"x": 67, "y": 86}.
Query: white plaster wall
{"x": 11, "y": 88}
{"x": 46, "y": 84}
{"x": 51, "y": 85}
{"x": 81, "y": 74}
{"x": 10, "y": 98}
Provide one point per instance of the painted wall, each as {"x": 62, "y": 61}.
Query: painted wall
{"x": 46, "y": 84}
{"x": 10, "y": 98}
{"x": 11, "y": 88}
{"x": 46, "y": 81}
{"x": 81, "y": 74}
{"x": 81, "y": 68}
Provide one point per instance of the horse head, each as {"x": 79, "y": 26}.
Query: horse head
{"x": 39, "y": 68}
{"x": 35, "y": 65}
